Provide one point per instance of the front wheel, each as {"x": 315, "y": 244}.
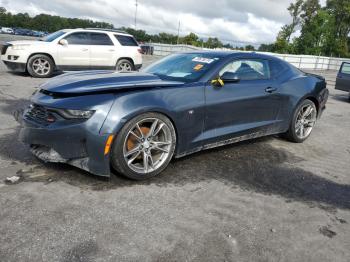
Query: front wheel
{"x": 40, "y": 66}
{"x": 144, "y": 147}
{"x": 303, "y": 121}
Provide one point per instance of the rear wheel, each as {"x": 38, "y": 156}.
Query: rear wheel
{"x": 303, "y": 121}
{"x": 144, "y": 147}
{"x": 40, "y": 66}
{"x": 124, "y": 65}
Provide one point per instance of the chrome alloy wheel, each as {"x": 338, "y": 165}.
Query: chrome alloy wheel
{"x": 147, "y": 145}
{"x": 41, "y": 66}
{"x": 124, "y": 67}
{"x": 305, "y": 121}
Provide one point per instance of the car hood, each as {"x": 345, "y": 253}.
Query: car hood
{"x": 27, "y": 42}
{"x": 102, "y": 81}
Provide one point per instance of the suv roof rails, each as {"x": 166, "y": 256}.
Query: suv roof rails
{"x": 109, "y": 30}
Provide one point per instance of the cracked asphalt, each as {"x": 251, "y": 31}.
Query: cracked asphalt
{"x": 260, "y": 200}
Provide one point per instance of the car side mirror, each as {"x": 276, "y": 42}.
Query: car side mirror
{"x": 229, "y": 77}
{"x": 63, "y": 42}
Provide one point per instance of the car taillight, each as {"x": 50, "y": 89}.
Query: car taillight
{"x": 140, "y": 51}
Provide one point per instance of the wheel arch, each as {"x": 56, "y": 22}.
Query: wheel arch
{"x": 41, "y": 53}
{"x": 126, "y": 58}
{"x": 150, "y": 110}
{"x": 314, "y": 100}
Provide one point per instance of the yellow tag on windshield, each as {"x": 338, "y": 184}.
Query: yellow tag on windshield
{"x": 198, "y": 67}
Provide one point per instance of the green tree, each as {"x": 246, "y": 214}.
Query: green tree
{"x": 191, "y": 39}
{"x": 249, "y": 48}
{"x": 213, "y": 43}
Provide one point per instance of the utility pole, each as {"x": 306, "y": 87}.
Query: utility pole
{"x": 136, "y": 4}
{"x": 178, "y": 33}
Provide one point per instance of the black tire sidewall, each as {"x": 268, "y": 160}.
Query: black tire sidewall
{"x": 125, "y": 61}
{"x": 291, "y": 132}
{"x": 117, "y": 158}
{"x": 30, "y": 64}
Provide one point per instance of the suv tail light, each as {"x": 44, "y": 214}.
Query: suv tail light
{"x": 140, "y": 51}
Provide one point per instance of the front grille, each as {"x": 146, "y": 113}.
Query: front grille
{"x": 39, "y": 114}
{"x": 4, "y": 48}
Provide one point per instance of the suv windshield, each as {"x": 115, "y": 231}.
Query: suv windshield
{"x": 183, "y": 67}
{"x": 53, "y": 36}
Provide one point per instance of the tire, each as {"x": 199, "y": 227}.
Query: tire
{"x": 125, "y": 65}
{"x": 40, "y": 66}
{"x": 302, "y": 122}
{"x": 138, "y": 158}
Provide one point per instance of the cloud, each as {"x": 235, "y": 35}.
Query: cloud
{"x": 255, "y": 21}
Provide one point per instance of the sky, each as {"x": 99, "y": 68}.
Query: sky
{"x": 235, "y": 21}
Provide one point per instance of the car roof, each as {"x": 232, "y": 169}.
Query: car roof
{"x": 233, "y": 54}
{"x": 115, "y": 31}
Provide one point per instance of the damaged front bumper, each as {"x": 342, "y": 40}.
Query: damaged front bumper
{"x": 70, "y": 145}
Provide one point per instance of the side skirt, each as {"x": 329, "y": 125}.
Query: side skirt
{"x": 227, "y": 142}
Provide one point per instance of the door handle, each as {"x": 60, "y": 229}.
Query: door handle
{"x": 270, "y": 89}
{"x": 111, "y": 50}
{"x": 85, "y": 49}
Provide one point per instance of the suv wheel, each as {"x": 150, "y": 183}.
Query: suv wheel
{"x": 124, "y": 65}
{"x": 40, "y": 66}
{"x": 144, "y": 147}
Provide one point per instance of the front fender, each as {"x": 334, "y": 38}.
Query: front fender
{"x": 184, "y": 106}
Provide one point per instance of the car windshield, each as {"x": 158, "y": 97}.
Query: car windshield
{"x": 188, "y": 67}
{"x": 53, "y": 36}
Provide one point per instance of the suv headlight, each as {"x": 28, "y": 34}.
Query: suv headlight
{"x": 75, "y": 114}
{"x": 19, "y": 47}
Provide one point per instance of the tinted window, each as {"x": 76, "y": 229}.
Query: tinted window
{"x": 78, "y": 39}
{"x": 248, "y": 69}
{"x": 276, "y": 68}
{"x": 100, "y": 39}
{"x": 345, "y": 69}
{"x": 126, "y": 40}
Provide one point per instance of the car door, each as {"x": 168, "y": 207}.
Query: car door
{"x": 75, "y": 54}
{"x": 248, "y": 106}
{"x": 102, "y": 51}
{"x": 343, "y": 78}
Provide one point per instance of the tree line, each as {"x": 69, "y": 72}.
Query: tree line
{"x": 50, "y": 23}
{"x": 46, "y": 23}
{"x": 314, "y": 30}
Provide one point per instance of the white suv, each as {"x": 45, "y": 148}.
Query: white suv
{"x": 73, "y": 49}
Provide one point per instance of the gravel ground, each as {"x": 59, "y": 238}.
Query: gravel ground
{"x": 261, "y": 200}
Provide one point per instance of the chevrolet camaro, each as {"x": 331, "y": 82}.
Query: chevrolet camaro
{"x": 135, "y": 122}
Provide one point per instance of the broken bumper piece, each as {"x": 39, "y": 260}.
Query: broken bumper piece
{"x": 47, "y": 154}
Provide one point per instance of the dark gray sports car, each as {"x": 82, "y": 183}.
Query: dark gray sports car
{"x": 136, "y": 122}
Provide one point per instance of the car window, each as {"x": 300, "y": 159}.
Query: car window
{"x": 345, "y": 69}
{"x": 277, "y": 68}
{"x": 53, "y": 36}
{"x": 125, "y": 40}
{"x": 100, "y": 39}
{"x": 248, "y": 69}
{"x": 186, "y": 67}
{"x": 79, "y": 38}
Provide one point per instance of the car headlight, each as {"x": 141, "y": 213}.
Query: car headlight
{"x": 19, "y": 47}
{"x": 75, "y": 114}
